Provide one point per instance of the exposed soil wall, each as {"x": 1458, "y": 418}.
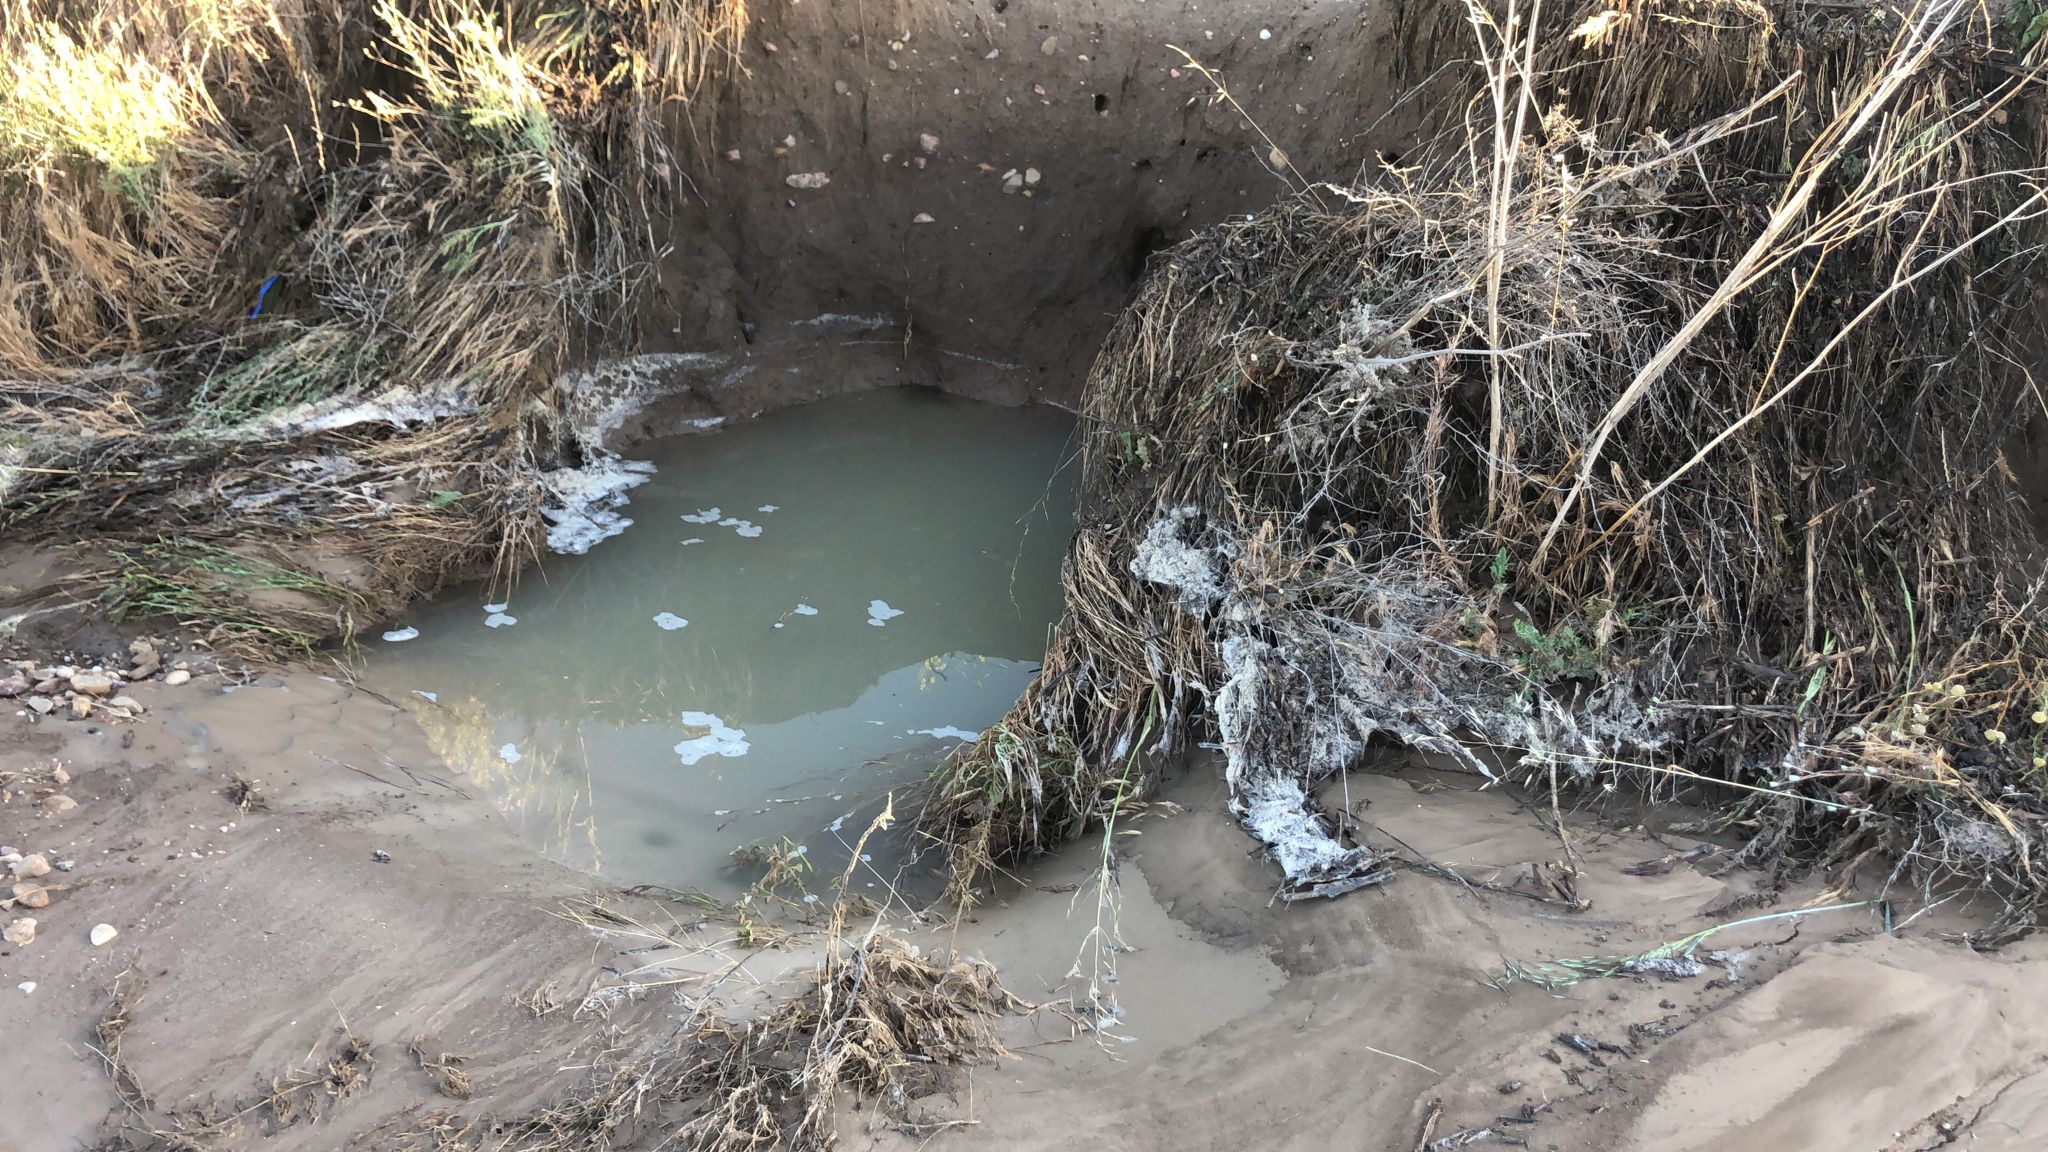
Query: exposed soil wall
{"x": 1001, "y": 296}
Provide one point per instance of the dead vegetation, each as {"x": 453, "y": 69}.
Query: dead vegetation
{"x": 302, "y": 1094}
{"x": 1652, "y": 428}
{"x": 283, "y": 273}
{"x": 877, "y": 1020}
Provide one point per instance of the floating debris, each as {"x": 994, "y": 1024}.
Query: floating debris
{"x": 499, "y": 620}
{"x": 879, "y": 612}
{"x": 401, "y": 635}
{"x": 669, "y": 621}
{"x": 720, "y": 739}
{"x": 704, "y": 516}
{"x": 509, "y": 754}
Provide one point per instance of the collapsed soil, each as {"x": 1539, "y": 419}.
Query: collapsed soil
{"x": 257, "y": 937}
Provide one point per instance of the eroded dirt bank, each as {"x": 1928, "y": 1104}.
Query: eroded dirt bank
{"x": 998, "y": 175}
{"x": 256, "y": 938}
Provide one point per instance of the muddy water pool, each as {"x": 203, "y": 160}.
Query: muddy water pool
{"x": 807, "y": 611}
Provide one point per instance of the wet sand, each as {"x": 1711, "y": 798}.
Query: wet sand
{"x": 258, "y": 936}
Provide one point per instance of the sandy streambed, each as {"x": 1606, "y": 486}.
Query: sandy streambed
{"x": 256, "y": 937}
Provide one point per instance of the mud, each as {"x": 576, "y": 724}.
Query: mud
{"x": 260, "y": 935}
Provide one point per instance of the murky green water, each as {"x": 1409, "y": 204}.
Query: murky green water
{"x": 808, "y": 610}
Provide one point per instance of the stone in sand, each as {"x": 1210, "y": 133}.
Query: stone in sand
{"x": 91, "y": 683}
{"x": 21, "y": 932}
{"x": 58, "y": 805}
{"x": 81, "y": 707}
{"x": 128, "y": 702}
{"x": 32, "y": 865}
{"x": 101, "y": 933}
{"x": 41, "y": 705}
{"x": 31, "y": 895}
{"x": 14, "y": 685}
{"x": 178, "y": 676}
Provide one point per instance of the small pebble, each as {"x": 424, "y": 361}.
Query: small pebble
{"x": 27, "y": 985}
{"x": 101, "y": 933}
{"x": 21, "y": 932}
{"x": 178, "y": 676}
{"x": 381, "y": 856}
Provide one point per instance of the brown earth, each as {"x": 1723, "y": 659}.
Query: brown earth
{"x": 787, "y": 294}
{"x": 256, "y": 937}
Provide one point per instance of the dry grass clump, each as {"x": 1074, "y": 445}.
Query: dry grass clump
{"x": 880, "y": 1020}
{"x": 286, "y": 272}
{"x": 1650, "y": 426}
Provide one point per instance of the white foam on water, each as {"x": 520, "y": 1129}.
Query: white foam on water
{"x": 401, "y": 635}
{"x": 879, "y": 612}
{"x": 581, "y": 504}
{"x": 497, "y": 607}
{"x": 499, "y": 620}
{"x": 707, "y": 422}
{"x": 778, "y": 623}
{"x": 694, "y": 540}
{"x": 745, "y": 528}
{"x": 669, "y": 622}
{"x": 769, "y": 508}
{"x": 947, "y": 732}
{"x": 509, "y": 753}
{"x": 703, "y": 516}
{"x": 720, "y": 739}
{"x": 748, "y": 530}
{"x": 429, "y": 697}
{"x": 806, "y": 610}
